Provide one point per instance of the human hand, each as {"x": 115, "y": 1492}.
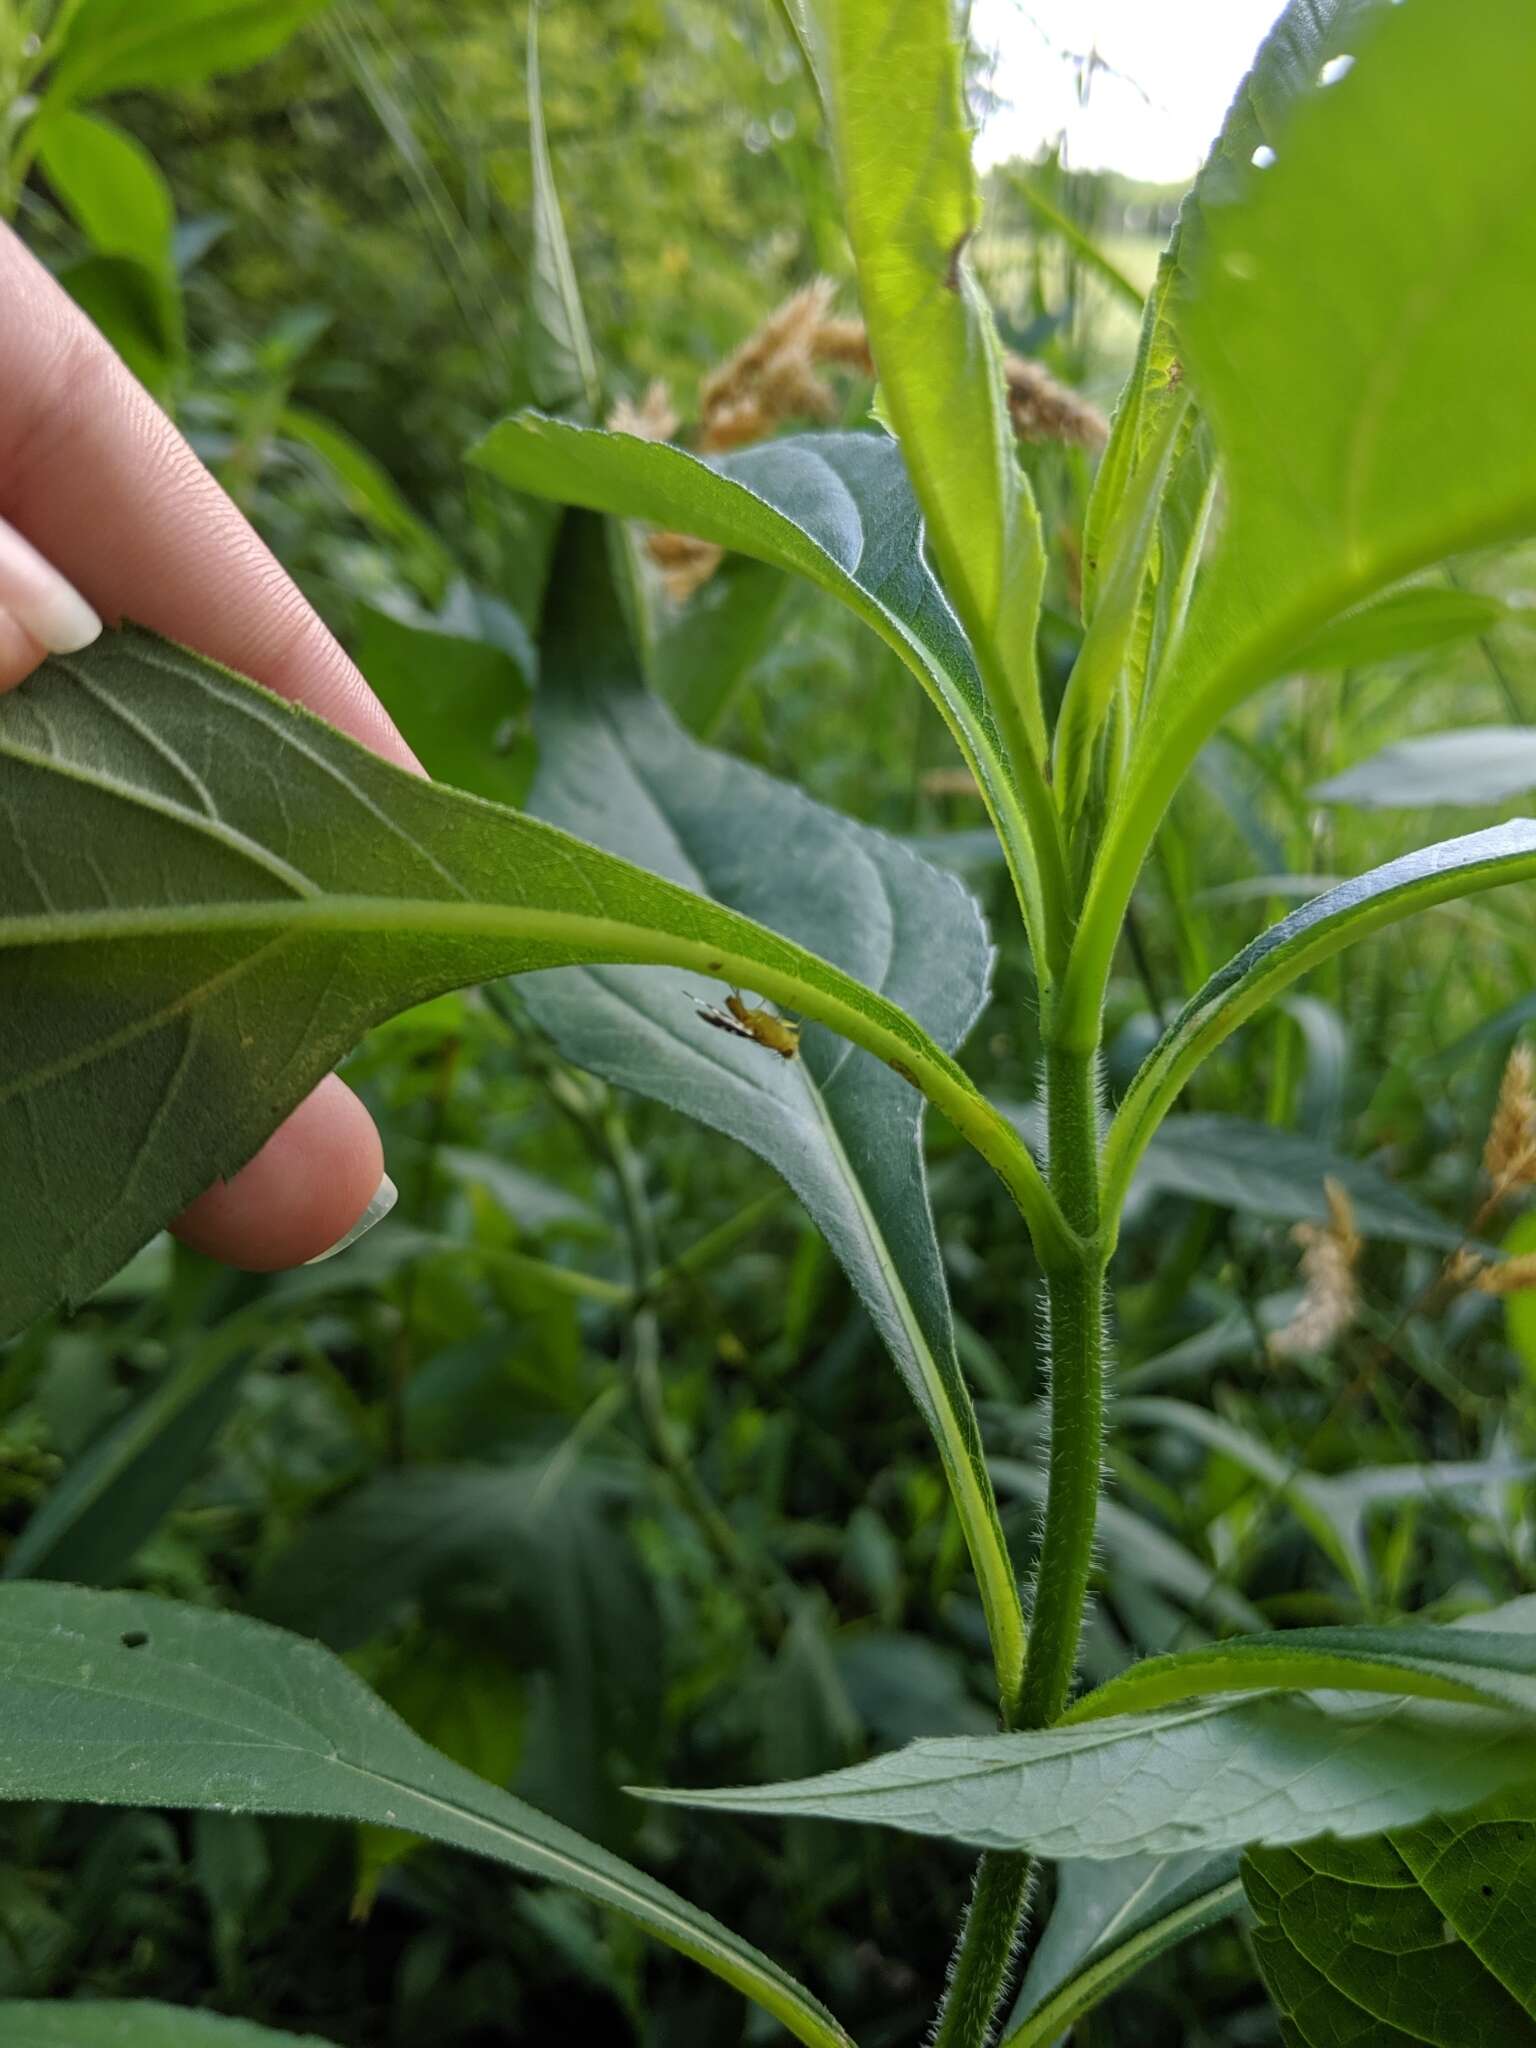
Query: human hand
{"x": 104, "y": 509}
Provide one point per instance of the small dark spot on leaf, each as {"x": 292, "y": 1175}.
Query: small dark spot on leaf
{"x": 1486, "y": 1890}
{"x": 133, "y": 1639}
{"x": 713, "y": 966}
{"x": 906, "y": 1073}
{"x": 952, "y": 274}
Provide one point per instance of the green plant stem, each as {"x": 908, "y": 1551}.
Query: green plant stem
{"x": 1075, "y": 1290}
{"x": 984, "y": 1956}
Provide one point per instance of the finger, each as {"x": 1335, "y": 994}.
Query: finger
{"x": 303, "y": 1194}
{"x": 41, "y": 612}
{"x": 103, "y": 486}
{"x": 19, "y": 652}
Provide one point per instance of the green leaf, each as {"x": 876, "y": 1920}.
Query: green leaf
{"x": 126, "y": 302}
{"x": 1208, "y": 1775}
{"x": 1421, "y": 1936}
{"x": 122, "y": 1700}
{"x": 132, "y": 2023}
{"x": 1465, "y": 1663}
{"x": 891, "y": 74}
{"x": 562, "y": 364}
{"x": 1141, "y": 1550}
{"x": 844, "y": 1132}
{"x": 566, "y": 1583}
{"x": 1480, "y": 764}
{"x": 1108, "y": 1922}
{"x": 835, "y": 508}
{"x": 1435, "y": 874}
{"x": 1030, "y": 185}
{"x": 460, "y": 698}
{"x": 366, "y": 488}
{"x": 119, "y": 1490}
{"x": 217, "y": 894}
{"x": 1411, "y": 621}
{"x": 118, "y": 45}
{"x": 1333, "y": 1507}
{"x": 1261, "y": 1171}
{"x": 1347, "y": 414}
{"x": 704, "y": 653}
{"x": 1520, "y": 1307}
{"x": 113, "y": 188}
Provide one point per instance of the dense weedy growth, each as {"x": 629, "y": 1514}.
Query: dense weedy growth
{"x": 897, "y": 688}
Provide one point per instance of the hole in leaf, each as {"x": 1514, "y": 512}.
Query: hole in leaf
{"x": 1262, "y": 157}
{"x": 1335, "y": 69}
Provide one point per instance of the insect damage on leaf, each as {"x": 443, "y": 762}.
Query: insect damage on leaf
{"x": 763, "y": 1027}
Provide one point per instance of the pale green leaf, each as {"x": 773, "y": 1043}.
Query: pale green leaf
{"x": 893, "y": 92}
{"x": 1278, "y": 1767}
{"x": 1108, "y": 1922}
{"x": 835, "y": 508}
{"x": 1494, "y": 1666}
{"x": 1261, "y": 1171}
{"x": 1372, "y": 424}
{"x": 1411, "y": 621}
{"x": 122, "y": 1700}
{"x": 1480, "y": 764}
{"x": 562, "y": 364}
{"x": 112, "y": 186}
{"x": 1435, "y": 874}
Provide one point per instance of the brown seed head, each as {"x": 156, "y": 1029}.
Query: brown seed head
{"x": 1330, "y": 1301}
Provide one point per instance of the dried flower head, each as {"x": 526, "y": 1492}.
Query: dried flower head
{"x": 685, "y": 563}
{"x": 771, "y": 377}
{"x": 1509, "y": 1156}
{"x": 1330, "y": 1301}
{"x": 653, "y": 419}
{"x": 1508, "y": 1276}
{"x": 845, "y": 342}
{"x": 1043, "y": 410}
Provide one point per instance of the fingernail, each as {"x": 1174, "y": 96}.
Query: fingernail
{"x": 385, "y": 1196}
{"x": 39, "y": 599}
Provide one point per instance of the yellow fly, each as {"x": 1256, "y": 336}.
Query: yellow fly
{"x": 763, "y": 1027}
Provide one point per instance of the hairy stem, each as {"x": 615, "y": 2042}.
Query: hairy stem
{"x": 984, "y": 1957}
{"x": 1075, "y": 1288}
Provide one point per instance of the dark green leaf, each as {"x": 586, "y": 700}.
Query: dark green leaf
{"x": 845, "y": 1133}
{"x": 115, "y": 45}
{"x": 460, "y": 698}
{"x": 119, "y": 1699}
{"x": 132, "y": 2023}
{"x": 1421, "y": 1936}
{"x": 218, "y": 893}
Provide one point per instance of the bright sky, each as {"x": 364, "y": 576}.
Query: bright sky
{"x": 1174, "y": 67}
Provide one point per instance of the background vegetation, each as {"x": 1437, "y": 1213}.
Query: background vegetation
{"x": 580, "y": 1537}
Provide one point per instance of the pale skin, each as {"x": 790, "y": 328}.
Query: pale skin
{"x": 105, "y": 508}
